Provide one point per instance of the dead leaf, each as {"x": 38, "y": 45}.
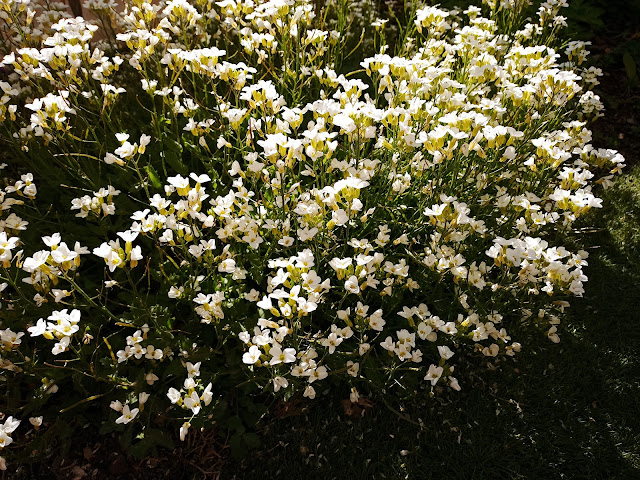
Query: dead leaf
{"x": 78, "y": 473}
{"x": 87, "y": 453}
{"x": 356, "y": 409}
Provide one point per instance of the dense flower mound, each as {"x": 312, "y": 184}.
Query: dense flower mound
{"x": 262, "y": 196}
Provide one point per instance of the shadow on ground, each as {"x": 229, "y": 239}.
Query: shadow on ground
{"x": 566, "y": 411}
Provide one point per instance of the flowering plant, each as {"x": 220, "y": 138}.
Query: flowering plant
{"x": 230, "y": 199}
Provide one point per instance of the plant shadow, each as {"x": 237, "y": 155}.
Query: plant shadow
{"x": 566, "y": 411}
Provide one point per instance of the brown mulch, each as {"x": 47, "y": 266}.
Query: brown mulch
{"x": 202, "y": 456}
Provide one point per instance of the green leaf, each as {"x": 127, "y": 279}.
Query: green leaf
{"x": 235, "y": 423}
{"x": 238, "y": 446}
{"x": 372, "y": 372}
{"x": 152, "y": 439}
{"x": 153, "y": 176}
{"x": 220, "y": 410}
{"x": 108, "y": 427}
{"x": 252, "y": 440}
{"x": 160, "y": 437}
{"x": 175, "y": 368}
{"x": 629, "y": 66}
{"x": 126, "y": 437}
{"x": 173, "y": 154}
{"x": 251, "y": 415}
{"x": 233, "y": 356}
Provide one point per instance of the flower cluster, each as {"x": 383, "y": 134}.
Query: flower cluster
{"x": 285, "y": 221}
{"x": 134, "y": 348}
{"x": 101, "y": 204}
{"x": 62, "y": 327}
{"x": 47, "y": 267}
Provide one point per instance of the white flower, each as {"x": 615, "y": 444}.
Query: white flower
{"x": 204, "y": 178}
{"x": 5, "y": 439}
{"x": 193, "y": 370}
{"x": 351, "y": 285}
{"x": 319, "y": 373}
{"x": 127, "y": 415}
{"x": 309, "y": 392}
{"x": 227, "y": 266}
{"x": 288, "y": 355}
{"x": 445, "y": 352}
{"x": 376, "y": 322}
{"x": 388, "y": 344}
{"x": 453, "y": 383}
{"x": 36, "y": 421}
{"x": 252, "y": 356}
{"x": 126, "y": 150}
{"x": 339, "y": 217}
{"x": 38, "y": 329}
{"x": 174, "y": 395}
{"x": 151, "y": 378}
{"x": 128, "y": 235}
{"x": 10, "y": 424}
{"x": 110, "y": 159}
{"x": 61, "y": 346}
{"x": 207, "y": 396}
{"x": 252, "y": 296}
{"x": 53, "y": 240}
{"x": 279, "y": 382}
{"x": 433, "y": 374}
{"x": 424, "y": 330}
{"x": 332, "y": 341}
{"x": 184, "y": 429}
{"x": 193, "y": 402}
{"x": 144, "y": 141}
{"x": 552, "y": 334}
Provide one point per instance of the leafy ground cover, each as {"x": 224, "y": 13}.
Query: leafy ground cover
{"x": 563, "y": 411}
{"x": 569, "y": 411}
{"x": 556, "y": 411}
